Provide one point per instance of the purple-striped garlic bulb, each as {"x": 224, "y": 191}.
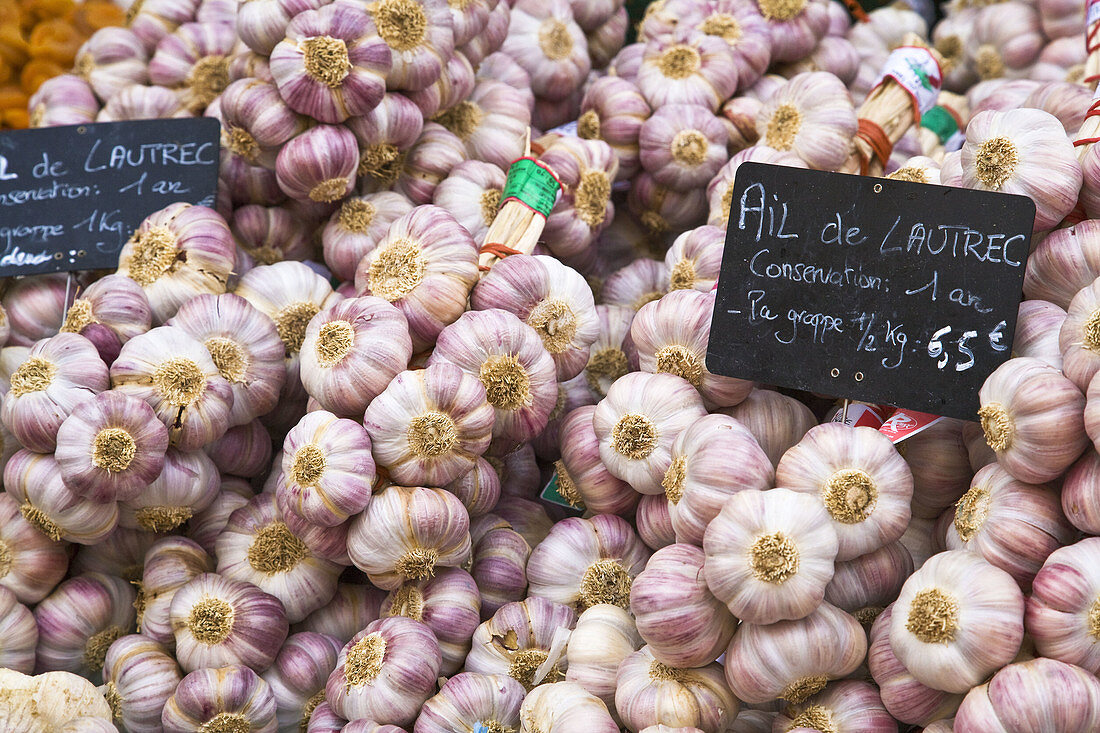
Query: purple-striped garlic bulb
{"x": 387, "y": 671}
{"x": 425, "y": 265}
{"x": 613, "y": 110}
{"x": 739, "y": 115}
{"x": 121, "y": 553}
{"x": 357, "y": 227}
{"x": 795, "y": 27}
{"x": 55, "y": 376}
{"x": 174, "y": 373}
{"x": 607, "y": 39}
{"x": 258, "y": 547}
{"x": 472, "y": 194}
{"x": 332, "y": 64}
{"x": 177, "y": 253}
{"x": 527, "y": 517}
{"x": 525, "y": 640}
{"x": 1032, "y": 416}
{"x": 1062, "y": 609}
{"x": 770, "y": 555}
{"x": 775, "y": 420}
{"x": 801, "y": 117}
{"x": 324, "y": 719}
{"x": 109, "y": 313}
{"x": 662, "y": 210}
{"x": 612, "y": 354}
{"x": 860, "y": 478}
{"x": 80, "y": 620}
{"x": 194, "y": 59}
{"x": 34, "y": 481}
{"x": 498, "y": 563}
{"x": 429, "y": 426}
{"x": 169, "y": 565}
{"x": 544, "y": 38}
{"x": 139, "y": 676}
{"x": 477, "y": 489}
{"x": 35, "y": 308}
{"x": 653, "y": 521}
{"x": 843, "y": 705}
{"x": 230, "y": 697}
{"x": 449, "y": 604}
{"x": 637, "y": 423}
{"x": 509, "y": 358}
{"x": 687, "y": 68}
{"x": 957, "y": 620}
{"x": 453, "y": 85}
{"x": 319, "y": 165}
{"x": 406, "y": 532}
{"x": 565, "y": 706}
{"x": 327, "y": 469}
{"x": 794, "y": 659}
{"x": 679, "y": 618}
{"x": 436, "y": 153}
{"x": 491, "y": 121}
{"x": 352, "y": 607}
{"x": 298, "y": 676}
{"x": 648, "y": 691}
{"x": 586, "y": 169}
{"x": 270, "y": 234}
{"x": 604, "y": 636}
{"x": 385, "y": 135}
{"x": 682, "y": 145}
{"x": 138, "y": 102}
{"x": 187, "y": 484}
{"x": 695, "y": 258}
{"x": 31, "y": 564}
{"x": 583, "y": 562}
{"x": 218, "y": 621}
{"x": 262, "y": 23}
{"x": 520, "y": 475}
{"x": 1079, "y": 337}
{"x": 111, "y": 60}
{"x": 1013, "y": 525}
{"x": 471, "y": 701}
{"x": 551, "y": 298}
{"x": 742, "y": 27}
{"x": 713, "y": 458}
{"x": 720, "y": 188}
{"x": 420, "y": 35}
{"x": 671, "y": 336}
{"x": 1062, "y": 263}
{"x": 63, "y": 100}
{"x": 1078, "y": 493}
{"x": 583, "y": 480}
{"x": 111, "y": 447}
{"x": 940, "y": 465}
{"x": 244, "y": 346}
{"x": 351, "y": 351}
{"x": 865, "y": 585}
{"x": 1023, "y": 151}
{"x": 256, "y": 122}
{"x": 1006, "y": 42}
{"x": 902, "y": 694}
{"x": 1036, "y": 689}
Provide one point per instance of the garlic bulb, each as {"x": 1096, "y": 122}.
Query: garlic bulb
{"x": 49, "y": 701}
{"x": 682, "y": 145}
{"x": 218, "y": 621}
{"x": 679, "y": 618}
{"x": 110, "y": 60}
{"x": 527, "y": 517}
{"x": 490, "y": 121}
{"x": 847, "y": 705}
{"x": 1023, "y": 151}
{"x": 613, "y": 110}
{"x": 546, "y": 41}
{"x": 425, "y": 265}
{"x": 324, "y": 719}
{"x": 34, "y": 308}
{"x": 1032, "y": 417}
{"x": 332, "y": 64}
{"x": 137, "y": 102}
{"x": 194, "y": 59}
{"x": 818, "y": 128}
{"x": 352, "y": 608}
{"x": 605, "y": 635}
{"x": 1062, "y": 610}
{"x": 777, "y": 421}
{"x": 18, "y": 634}
{"x": 582, "y": 476}
{"x": 499, "y": 563}
{"x": 57, "y": 374}
{"x": 509, "y": 358}
{"x": 865, "y": 585}
{"x": 607, "y": 39}
{"x": 518, "y": 470}
{"x": 587, "y": 561}
{"x": 34, "y": 481}
{"x": 188, "y": 484}
{"x": 637, "y": 423}
{"x": 175, "y": 374}
{"x": 139, "y": 676}
{"x": 1080, "y": 360}
{"x": 562, "y": 707}
{"x": 525, "y": 640}
{"x": 243, "y": 451}
{"x": 478, "y": 489}
{"x": 1063, "y": 262}
{"x": 472, "y": 193}
{"x": 256, "y": 121}
{"x": 859, "y": 476}
{"x": 80, "y": 620}
{"x": 429, "y": 426}
{"x": 298, "y": 676}
{"x": 586, "y": 170}
{"x": 420, "y": 35}
{"x": 120, "y": 553}
{"x": 319, "y": 164}
{"x": 794, "y": 659}
{"x": 436, "y": 153}
{"x": 231, "y": 697}
{"x": 176, "y": 253}
{"x": 405, "y": 533}
{"x": 636, "y": 284}
{"x": 654, "y": 523}
{"x": 612, "y": 354}
{"x": 31, "y": 564}
{"x": 63, "y": 100}
{"x": 957, "y": 619}
{"x": 1078, "y": 493}
{"x": 694, "y": 259}
{"x": 111, "y": 447}
{"x": 1013, "y": 525}
{"x": 471, "y": 702}
{"x": 1038, "y": 324}
{"x": 387, "y": 671}
{"x": 1025, "y": 695}
{"x": 448, "y": 604}
{"x": 904, "y": 696}
{"x": 357, "y": 227}
{"x": 940, "y": 464}
{"x": 169, "y": 565}
{"x": 795, "y": 27}
{"x": 693, "y": 68}
{"x": 649, "y": 692}
{"x": 110, "y": 312}
{"x": 720, "y": 188}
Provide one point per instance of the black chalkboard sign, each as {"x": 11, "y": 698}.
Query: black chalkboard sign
{"x": 868, "y": 288}
{"x": 71, "y": 196}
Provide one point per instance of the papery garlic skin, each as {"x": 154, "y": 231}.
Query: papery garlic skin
{"x": 649, "y": 692}
{"x": 861, "y": 480}
{"x": 468, "y": 700}
{"x": 388, "y": 670}
{"x": 605, "y": 635}
{"x": 299, "y": 674}
{"x": 582, "y": 476}
{"x": 139, "y": 676}
{"x": 449, "y": 604}
{"x": 564, "y": 706}
{"x": 525, "y": 640}
{"x": 957, "y": 619}
{"x": 230, "y": 696}
{"x": 1078, "y": 492}
{"x": 613, "y": 110}
{"x": 79, "y": 621}
{"x": 51, "y": 701}
{"x": 406, "y": 532}
{"x": 18, "y": 634}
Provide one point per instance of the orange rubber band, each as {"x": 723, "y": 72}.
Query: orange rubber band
{"x": 875, "y": 136}
{"x": 498, "y": 249}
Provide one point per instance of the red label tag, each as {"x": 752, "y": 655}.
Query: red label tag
{"x": 904, "y": 424}
{"x": 860, "y": 415}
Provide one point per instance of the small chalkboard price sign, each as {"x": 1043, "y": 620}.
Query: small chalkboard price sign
{"x": 71, "y": 196}
{"x": 868, "y": 288}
